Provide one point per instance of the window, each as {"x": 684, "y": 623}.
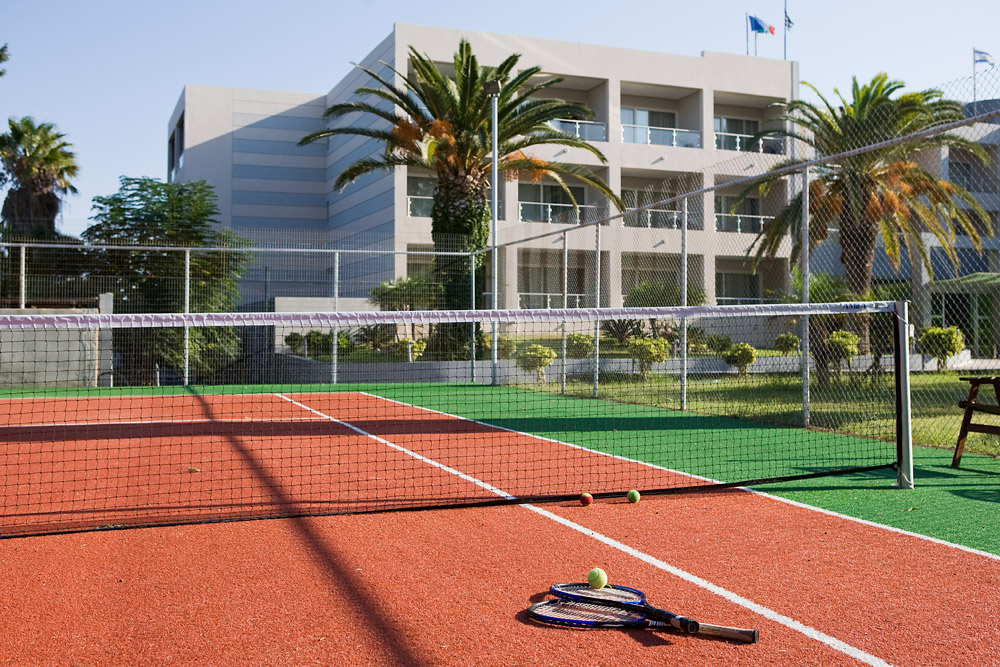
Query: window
{"x": 746, "y": 218}
{"x": 549, "y": 203}
{"x": 738, "y": 288}
{"x": 646, "y": 126}
{"x": 664, "y": 215}
{"x": 420, "y": 196}
{"x": 731, "y": 134}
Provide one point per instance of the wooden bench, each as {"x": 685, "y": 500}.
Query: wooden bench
{"x": 970, "y": 406}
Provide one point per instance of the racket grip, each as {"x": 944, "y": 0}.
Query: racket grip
{"x": 681, "y": 623}
{"x": 725, "y": 632}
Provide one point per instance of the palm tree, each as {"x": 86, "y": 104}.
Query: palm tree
{"x": 444, "y": 124}
{"x": 4, "y": 57}
{"x": 38, "y": 164}
{"x": 882, "y": 193}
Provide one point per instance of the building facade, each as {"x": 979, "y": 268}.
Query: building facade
{"x": 667, "y": 124}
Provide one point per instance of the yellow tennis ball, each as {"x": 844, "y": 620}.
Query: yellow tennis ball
{"x": 633, "y": 496}
{"x": 597, "y": 578}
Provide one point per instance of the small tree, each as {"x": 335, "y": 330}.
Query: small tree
{"x": 296, "y": 343}
{"x": 579, "y": 346}
{"x": 647, "y": 351}
{"x": 622, "y": 330}
{"x": 941, "y": 343}
{"x": 786, "y": 343}
{"x": 718, "y": 344}
{"x": 535, "y": 358}
{"x": 740, "y": 355}
{"x": 843, "y": 346}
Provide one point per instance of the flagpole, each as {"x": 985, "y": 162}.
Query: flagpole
{"x": 974, "y": 105}
{"x": 746, "y": 24}
{"x": 786, "y": 29}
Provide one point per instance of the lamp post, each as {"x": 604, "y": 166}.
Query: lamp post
{"x": 492, "y": 90}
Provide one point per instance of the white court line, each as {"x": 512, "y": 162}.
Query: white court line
{"x": 763, "y": 494}
{"x": 770, "y": 614}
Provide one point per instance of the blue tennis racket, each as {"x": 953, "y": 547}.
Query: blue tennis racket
{"x": 631, "y": 600}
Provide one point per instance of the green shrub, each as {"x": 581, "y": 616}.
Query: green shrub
{"x": 786, "y": 343}
{"x": 740, "y": 355}
{"x": 622, "y": 330}
{"x": 647, "y": 351}
{"x": 843, "y": 346}
{"x": 295, "y": 343}
{"x": 318, "y": 344}
{"x": 579, "y": 346}
{"x": 508, "y": 346}
{"x": 409, "y": 350}
{"x": 344, "y": 343}
{"x": 941, "y": 343}
{"x": 535, "y": 358}
{"x": 718, "y": 344}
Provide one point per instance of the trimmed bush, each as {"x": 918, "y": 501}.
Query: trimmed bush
{"x": 740, "y": 355}
{"x": 647, "y": 351}
{"x": 296, "y": 343}
{"x": 718, "y": 344}
{"x": 786, "y": 343}
{"x": 579, "y": 346}
{"x": 417, "y": 349}
{"x": 535, "y": 358}
{"x": 941, "y": 343}
{"x": 843, "y": 346}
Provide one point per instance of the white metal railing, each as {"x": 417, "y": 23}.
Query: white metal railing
{"x": 654, "y": 218}
{"x": 727, "y": 141}
{"x": 588, "y": 130}
{"x": 737, "y": 222}
{"x": 740, "y": 300}
{"x": 557, "y": 213}
{"x": 660, "y": 136}
{"x": 420, "y": 206}
{"x": 539, "y": 300}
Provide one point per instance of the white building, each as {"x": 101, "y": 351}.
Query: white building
{"x": 664, "y": 122}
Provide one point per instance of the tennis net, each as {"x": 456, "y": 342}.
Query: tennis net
{"x": 128, "y": 420}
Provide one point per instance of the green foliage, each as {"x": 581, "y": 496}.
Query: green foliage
{"x": 646, "y": 352}
{"x": 409, "y": 350}
{"x": 786, "y": 343}
{"x": 535, "y": 358}
{"x": 843, "y": 347}
{"x": 622, "y": 330}
{"x": 740, "y": 355}
{"x": 941, "y": 343}
{"x": 377, "y": 336}
{"x": 508, "y": 346}
{"x": 718, "y": 344}
{"x": 148, "y": 212}
{"x": 405, "y": 293}
{"x": 579, "y": 346}
{"x": 295, "y": 343}
{"x": 656, "y": 293}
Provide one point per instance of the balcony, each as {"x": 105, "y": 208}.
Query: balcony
{"x": 725, "y": 141}
{"x": 654, "y": 219}
{"x": 660, "y": 136}
{"x": 557, "y": 213}
{"x": 422, "y": 206}
{"x": 539, "y": 300}
{"x": 742, "y": 224}
{"x": 582, "y": 129}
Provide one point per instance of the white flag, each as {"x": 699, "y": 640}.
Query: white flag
{"x": 982, "y": 57}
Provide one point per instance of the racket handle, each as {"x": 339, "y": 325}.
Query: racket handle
{"x": 724, "y": 632}
{"x": 681, "y": 623}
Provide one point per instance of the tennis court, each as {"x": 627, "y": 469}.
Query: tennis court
{"x": 450, "y": 586}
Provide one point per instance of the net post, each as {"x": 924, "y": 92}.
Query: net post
{"x": 804, "y": 249}
{"x": 684, "y": 301}
{"x": 335, "y": 332}
{"x": 565, "y": 304}
{"x": 597, "y": 304}
{"x": 472, "y": 325}
{"x": 23, "y": 278}
{"x": 187, "y": 309}
{"x": 904, "y": 433}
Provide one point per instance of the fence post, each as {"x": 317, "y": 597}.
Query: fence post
{"x": 187, "y": 309}
{"x": 23, "y": 279}
{"x": 684, "y": 302}
{"x": 904, "y": 432}
{"x": 804, "y": 249}
{"x": 335, "y": 332}
{"x": 565, "y": 304}
{"x": 597, "y": 299}
{"x": 472, "y": 325}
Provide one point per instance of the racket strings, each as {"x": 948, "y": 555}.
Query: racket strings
{"x": 572, "y": 610}
{"x": 612, "y": 593}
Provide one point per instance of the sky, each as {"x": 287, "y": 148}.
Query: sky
{"x": 108, "y": 73}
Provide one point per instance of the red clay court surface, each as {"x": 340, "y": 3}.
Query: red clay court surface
{"x": 450, "y": 587}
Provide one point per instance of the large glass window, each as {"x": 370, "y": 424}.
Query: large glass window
{"x": 738, "y": 288}
{"x": 648, "y": 126}
{"x": 549, "y": 203}
{"x": 661, "y": 216}
{"x": 731, "y": 134}
{"x": 746, "y": 218}
{"x": 420, "y": 195}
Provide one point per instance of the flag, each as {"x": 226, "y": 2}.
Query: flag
{"x": 789, "y": 24}
{"x": 760, "y": 26}
{"x": 977, "y": 55}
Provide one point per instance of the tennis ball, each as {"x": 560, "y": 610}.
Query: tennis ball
{"x": 597, "y": 578}
{"x": 586, "y": 499}
{"x": 633, "y": 496}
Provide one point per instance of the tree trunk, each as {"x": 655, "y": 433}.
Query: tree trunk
{"x": 858, "y": 238}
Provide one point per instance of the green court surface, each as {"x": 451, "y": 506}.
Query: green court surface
{"x": 960, "y": 506}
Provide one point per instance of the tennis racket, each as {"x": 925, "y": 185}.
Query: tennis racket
{"x": 574, "y": 614}
{"x": 630, "y": 599}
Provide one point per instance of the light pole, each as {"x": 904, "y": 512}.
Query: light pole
{"x": 492, "y": 90}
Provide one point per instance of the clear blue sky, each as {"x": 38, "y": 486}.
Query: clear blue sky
{"x": 108, "y": 73}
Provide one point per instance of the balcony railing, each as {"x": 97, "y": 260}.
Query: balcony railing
{"x": 654, "y": 218}
{"x": 421, "y": 206}
{"x": 744, "y": 224}
{"x": 725, "y": 141}
{"x": 740, "y": 301}
{"x": 587, "y": 130}
{"x": 558, "y": 213}
{"x": 661, "y": 136}
{"x": 537, "y": 300}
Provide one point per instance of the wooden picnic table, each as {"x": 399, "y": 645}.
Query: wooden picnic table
{"x": 971, "y": 407}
